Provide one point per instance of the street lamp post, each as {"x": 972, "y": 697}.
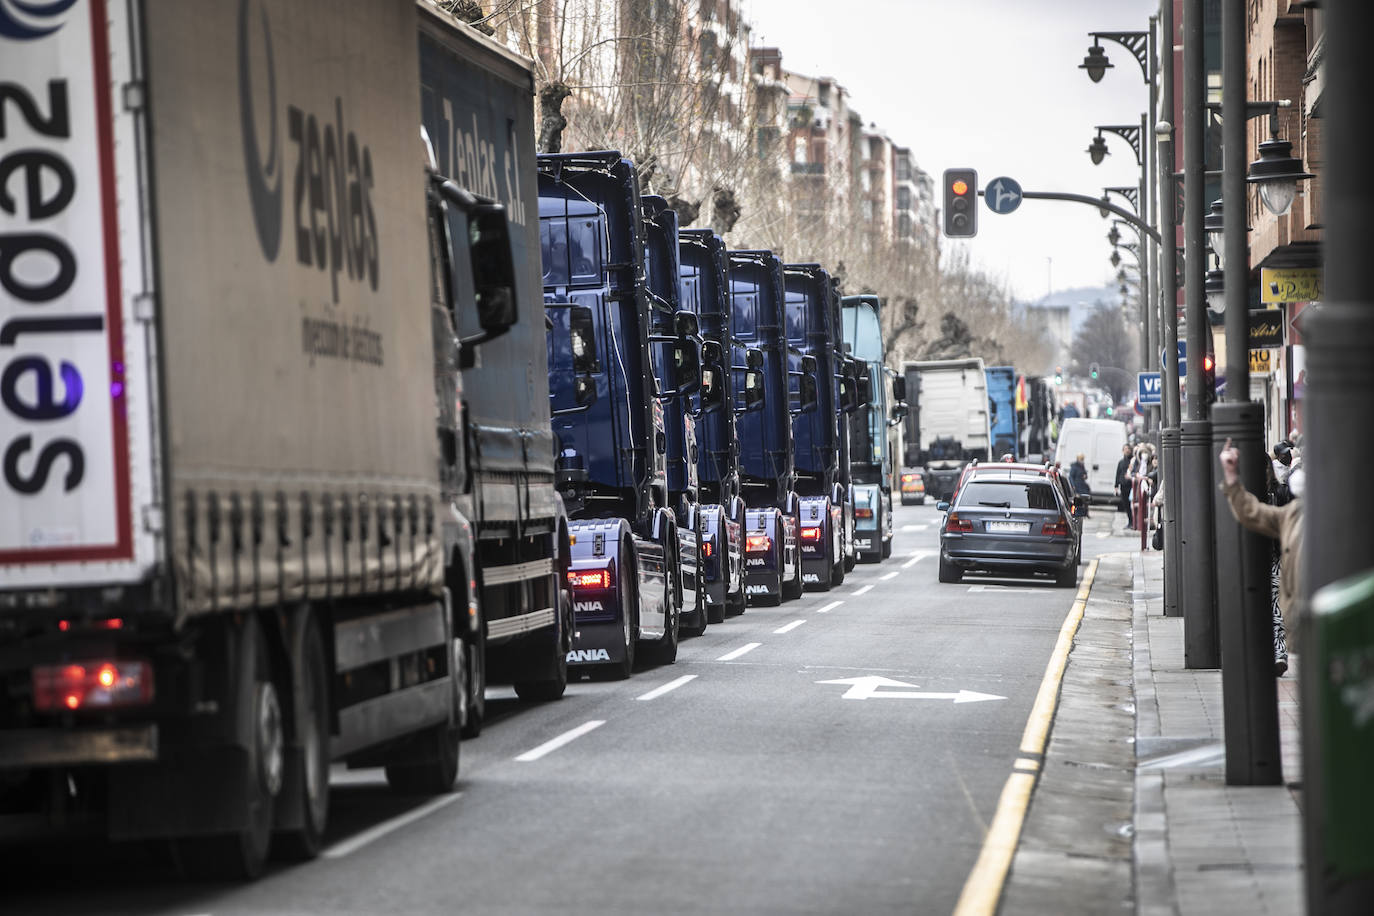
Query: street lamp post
{"x": 1167, "y": 188}
{"x": 1137, "y": 137}
{"x": 1245, "y": 621}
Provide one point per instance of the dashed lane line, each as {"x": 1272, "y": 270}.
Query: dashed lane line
{"x": 667, "y": 688}
{"x": 548, "y": 747}
{"x": 892, "y": 575}
{"x": 736, "y": 653}
{"x": 864, "y": 590}
{"x": 829, "y": 607}
{"x": 788, "y": 627}
{"x": 916, "y": 557}
{"x": 372, "y": 834}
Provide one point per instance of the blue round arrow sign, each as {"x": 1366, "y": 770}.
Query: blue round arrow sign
{"x": 1002, "y": 195}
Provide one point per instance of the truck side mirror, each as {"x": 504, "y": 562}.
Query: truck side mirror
{"x": 753, "y": 388}
{"x": 686, "y": 366}
{"x": 809, "y": 365}
{"x": 898, "y": 414}
{"x": 493, "y": 268}
{"x": 864, "y": 389}
{"x": 685, "y": 324}
{"x": 584, "y": 390}
{"x": 899, "y": 388}
{"x": 582, "y": 331}
{"x": 753, "y": 358}
{"x": 712, "y": 389}
{"x": 808, "y": 395}
{"x": 848, "y": 402}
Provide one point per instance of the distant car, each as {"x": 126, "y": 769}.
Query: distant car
{"x": 913, "y": 488}
{"x": 1077, "y": 504}
{"x": 1010, "y": 519}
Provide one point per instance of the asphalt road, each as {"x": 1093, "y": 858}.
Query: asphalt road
{"x": 767, "y": 771}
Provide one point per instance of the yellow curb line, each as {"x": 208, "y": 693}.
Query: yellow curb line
{"x": 983, "y": 889}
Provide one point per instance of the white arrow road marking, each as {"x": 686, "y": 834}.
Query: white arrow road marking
{"x": 869, "y": 688}
{"x": 917, "y": 557}
{"x": 866, "y": 588}
{"x": 548, "y": 747}
{"x": 916, "y": 527}
{"x": 665, "y": 688}
{"x": 736, "y": 653}
{"x": 892, "y": 575}
{"x": 1001, "y": 588}
{"x": 829, "y": 607}
{"x": 789, "y": 627}
{"x": 358, "y": 841}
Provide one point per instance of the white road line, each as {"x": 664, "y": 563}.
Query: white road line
{"x": 916, "y": 527}
{"x": 916, "y": 557}
{"x": 829, "y": 607}
{"x": 358, "y": 841}
{"x": 789, "y": 627}
{"x": 666, "y": 688}
{"x": 892, "y": 575}
{"x": 863, "y": 590}
{"x": 548, "y": 747}
{"x": 742, "y": 650}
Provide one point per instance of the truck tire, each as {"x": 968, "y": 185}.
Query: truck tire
{"x": 311, "y": 733}
{"x": 430, "y": 765}
{"x": 553, "y": 688}
{"x": 793, "y": 590}
{"x": 257, "y": 708}
{"x": 629, "y": 612}
{"x": 837, "y": 573}
{"x": 949, "y": 572}
{"x": 475, "y": 684}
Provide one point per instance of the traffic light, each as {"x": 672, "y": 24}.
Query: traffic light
{"x": 1058, "y": 375}
{"x": 1092, "y": 370}
{"x": 961, "y": 199}
{"x": 1209, "y": 380}
{"x": 1111, "y": 410}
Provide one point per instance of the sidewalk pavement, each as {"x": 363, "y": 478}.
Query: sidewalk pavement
{"x": 1132, "y": 813}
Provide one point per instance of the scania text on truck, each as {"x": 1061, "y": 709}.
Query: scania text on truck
{"x": 772, "y": 562}
{"x": 233, "y": 547}
{"x": 947, "y": 425}
{"x": 872, "y": 429}
{"x": 607, "y": 417}
{"x": 728, "y": 387}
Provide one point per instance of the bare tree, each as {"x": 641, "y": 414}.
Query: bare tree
{"x": 1103, "y": 339}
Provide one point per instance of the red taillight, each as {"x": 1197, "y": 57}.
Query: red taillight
{"x": 908, "y": 478}
{"x": 92, "y": 685}
{"x": 955, "y": 523}
{"x": 589, "y": 578}
{"x": 708, "y": 548}
{"x": 106, "y": 623}
{"x": 1057, "y": 528}
{"x": 863, "y": 513}
{"x": 758, "y": 543}
{"x": 811, "y": 534}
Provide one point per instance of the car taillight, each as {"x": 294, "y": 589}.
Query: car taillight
{"x": 758, "y": 543}
{"x": 908, "y": 478}
{"x": 1059, "y": 527}
{"x": 92, "y": 685}
{"x": 863, "y": 513}
{"x": 811, "y": 534}
{"x": 582, "y": 579}
{"x": 955, "y": 523}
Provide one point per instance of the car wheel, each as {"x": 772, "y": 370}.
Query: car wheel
{"x": 950, "y": 572}
{"x": 1067, "y": 577}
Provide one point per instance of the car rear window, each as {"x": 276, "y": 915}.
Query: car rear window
{"x": 1008, "y": 494}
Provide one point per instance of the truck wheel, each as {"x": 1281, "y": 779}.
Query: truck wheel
{"x": 312, "y": 735}
{"x": 837, "y": 573}
{"x": 546, "y": 691}
{"x": 629, "y": 612}
{"x": 949, "y": 572}
{"x": 849, "y": 562}
{"x": 886, "y": 549}
{"x": 475, "y": 684}
{"x": 431, "y": 763}
{"x": 665, "y": 650}
{"x": 241, "y": 855}
{"x": 793, "y": 590}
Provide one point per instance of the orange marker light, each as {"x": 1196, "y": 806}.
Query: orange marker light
{"x": 959, "y": 187}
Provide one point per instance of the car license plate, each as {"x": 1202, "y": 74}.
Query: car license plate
{"x": 1009, "y": 527}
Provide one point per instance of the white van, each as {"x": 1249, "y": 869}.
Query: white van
{"x": 1100, "y": 442}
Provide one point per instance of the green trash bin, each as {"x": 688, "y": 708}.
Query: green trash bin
{"x": 1343, "y": 624}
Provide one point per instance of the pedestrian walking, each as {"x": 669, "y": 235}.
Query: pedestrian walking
{"x": 1123, "y": 486}
{"x": 1285, "y": 525}
{"x": 1078, "y": 479}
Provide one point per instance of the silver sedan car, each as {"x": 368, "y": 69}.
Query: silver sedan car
{"x": 1009, "y": 521}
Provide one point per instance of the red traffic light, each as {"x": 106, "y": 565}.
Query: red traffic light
{"x": 1208, "y": 363}
{"x": 959, "y": 187}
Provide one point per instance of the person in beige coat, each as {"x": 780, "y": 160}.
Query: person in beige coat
{"x": 1283, "y": 523}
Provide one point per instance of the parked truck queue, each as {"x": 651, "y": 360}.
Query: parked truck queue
{"x": 291, "y": 486}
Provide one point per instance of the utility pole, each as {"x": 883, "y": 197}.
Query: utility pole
{"x": 1168, "y": 315}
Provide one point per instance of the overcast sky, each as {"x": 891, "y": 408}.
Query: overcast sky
{"x": 993, "y": 85}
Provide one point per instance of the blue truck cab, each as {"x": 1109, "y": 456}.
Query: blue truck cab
{"x": 607, "y": 416}
{"x": 680, "y": 405}
{"x": 772, "y": 567}
{"x": 872, "y": 434}
{"x": 1006, "y": 433}
{"x": 705, "y": 290}
{"x": 812, "y": 331}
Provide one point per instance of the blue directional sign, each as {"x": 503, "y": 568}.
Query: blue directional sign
{"x": 1002, "y": 195}
{"x": 1148, "y": 388}
{"x": 1182, "y": 359}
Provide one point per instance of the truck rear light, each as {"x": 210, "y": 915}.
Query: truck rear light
{"x": 106, "y": 623}
{"x": 863, "y": 513}
{"x": 92, "y": 685}
{"x": 811, "y": 534}
{"x": 708, "y": 549}
{"x": 583, "y": 579}
{"x": 955, "y": 523}
{"x": 1057, "y": 528}
{"x": 758, "y": 543}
